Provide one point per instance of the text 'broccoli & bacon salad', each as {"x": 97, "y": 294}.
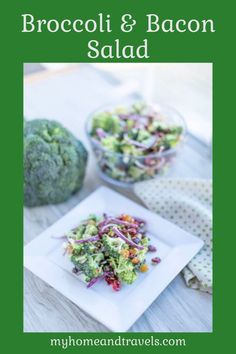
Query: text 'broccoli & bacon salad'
{"x": 109, "y": 248}
{"x": 135, "y": 143}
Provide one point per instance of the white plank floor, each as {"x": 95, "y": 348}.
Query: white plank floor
{"x": 68, "y": 96}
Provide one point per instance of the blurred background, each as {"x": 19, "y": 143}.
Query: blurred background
{"x": 185, "y": 86}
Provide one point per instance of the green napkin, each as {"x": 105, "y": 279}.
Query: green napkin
{"x": 188, "y": 204}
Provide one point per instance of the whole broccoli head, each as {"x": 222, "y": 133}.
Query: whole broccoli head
{"x": 54, "y": 163}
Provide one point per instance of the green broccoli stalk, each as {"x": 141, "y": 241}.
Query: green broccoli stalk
{"x": 54, "y": 163}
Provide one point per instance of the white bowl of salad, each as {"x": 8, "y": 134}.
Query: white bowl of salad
{"x": 135, "y": 142}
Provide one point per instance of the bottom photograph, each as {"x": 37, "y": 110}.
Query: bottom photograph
{"x": 117, "y": 197}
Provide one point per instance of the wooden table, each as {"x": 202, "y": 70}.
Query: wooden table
{"x": 68, "y": 96}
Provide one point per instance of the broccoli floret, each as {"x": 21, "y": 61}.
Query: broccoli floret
{"x": 154, "y": 126}
{"x": 92, "y": 268}
{"x": 106, "y": 121}
{"x": 54, "y": 163}
{"x": 113, "y": 245}
{"x": 141, "y": 255}
{"x": 110, "y": 143}
{"x": 116, "y": 173}
{"x": 77, "y": 248}
{"x": 177, "y": 130}
{"x": 78, "y": 259}
{"x": 89, "y": 264}
{"x": 128, "y": 277}
{"x": 89, "y": 247}
{"x": 170, "y": 140}
{"x": 130, "y": 124}
{"x": 94, "y": 260}
{"x": 123, "y": 268}
{"x": 143, "y": 135}
{"x": 79, "y": 232}
{"x": 83, "y": 231}
{"x": 90, "y": 230}
{"x": 93, "y": 218}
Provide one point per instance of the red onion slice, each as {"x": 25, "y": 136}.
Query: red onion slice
{"x": 112, "y": 220}
{"x": 94, "y": 280}
{"x": 124, "y": 238}
{"x": 107, "y": 226}
{"x": 136, "y": 143}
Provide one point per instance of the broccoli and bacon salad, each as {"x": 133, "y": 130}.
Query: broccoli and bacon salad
{"x": 109, "y": 248}
{"x": 130, "y": 141}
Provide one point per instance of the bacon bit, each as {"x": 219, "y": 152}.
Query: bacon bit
{"x": 124, "y": 238}
{"x": 116, "y": 285}
{"x": 143, "y": 268}
{"x": 133, "y": 251}
{"x": 114, "y": 282}
{"x": 132, "y": 231}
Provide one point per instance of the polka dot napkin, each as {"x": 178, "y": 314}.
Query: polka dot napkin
{"x": 187, "y": 203}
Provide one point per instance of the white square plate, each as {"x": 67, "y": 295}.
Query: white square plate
{"x": 116, "y": 310}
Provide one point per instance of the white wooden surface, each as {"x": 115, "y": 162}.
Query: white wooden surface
{"x": 68, "y": 96}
